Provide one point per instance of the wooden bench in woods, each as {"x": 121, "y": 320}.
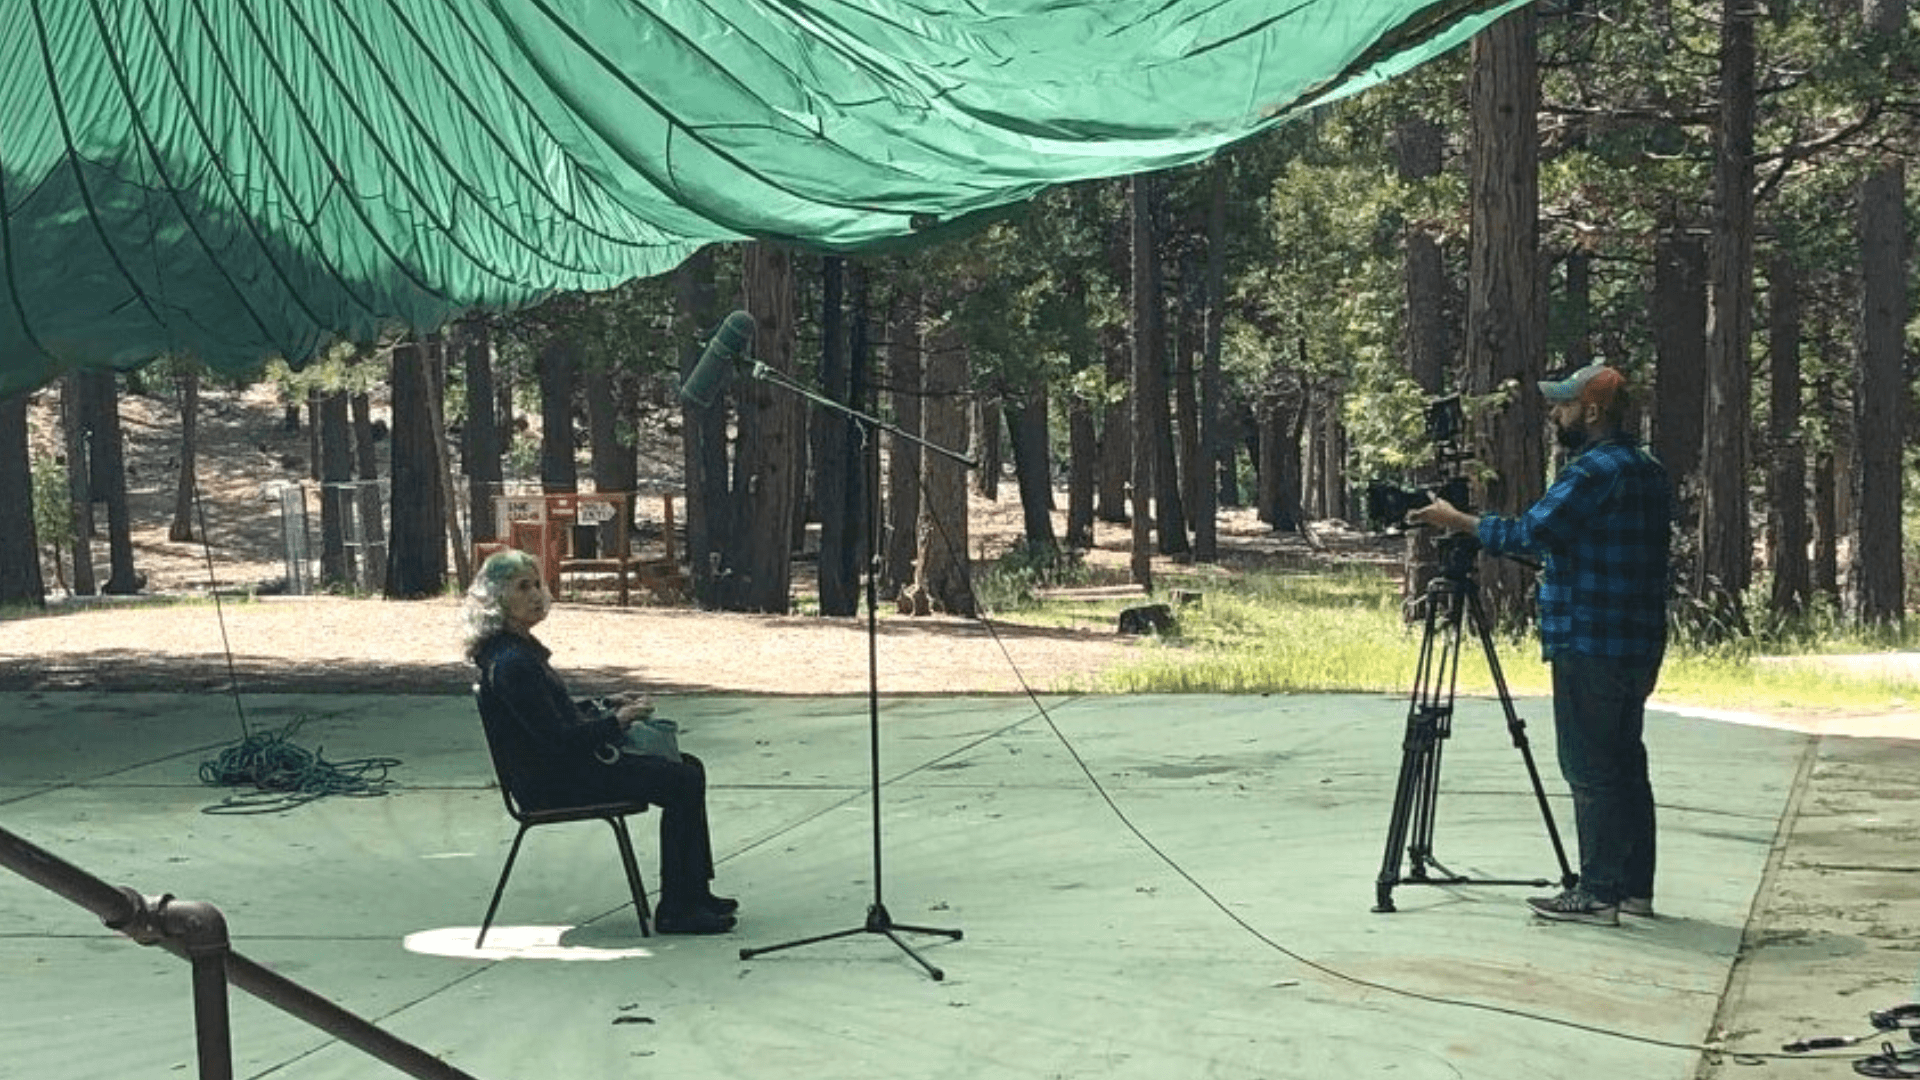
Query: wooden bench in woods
{"x": 560, "y": 529}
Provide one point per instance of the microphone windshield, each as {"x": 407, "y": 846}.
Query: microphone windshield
{"x": 726, "y": 346}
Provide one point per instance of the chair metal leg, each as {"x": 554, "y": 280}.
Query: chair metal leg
{"x": 634, "y": 885}
{"x": 512, "y": 854}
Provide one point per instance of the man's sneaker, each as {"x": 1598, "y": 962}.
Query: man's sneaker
{"x": 1637, "y": 905}
{"x": 1575, "y": 906}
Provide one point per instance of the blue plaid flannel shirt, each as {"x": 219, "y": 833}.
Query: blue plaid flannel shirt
{"x": 1602, "y": 531}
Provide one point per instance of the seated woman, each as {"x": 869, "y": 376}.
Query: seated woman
{"x": 561, "y": 752}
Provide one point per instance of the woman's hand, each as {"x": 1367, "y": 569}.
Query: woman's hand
{"x": 637, "y": 708}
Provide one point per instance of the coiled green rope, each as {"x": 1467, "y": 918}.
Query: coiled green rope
{"x": 285, "y": 776}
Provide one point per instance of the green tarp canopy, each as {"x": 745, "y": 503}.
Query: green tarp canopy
{"x": 237, "y": 179}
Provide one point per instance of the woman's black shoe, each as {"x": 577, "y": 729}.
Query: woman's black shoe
{"x": 724, "y": 905}
{"x": 697, "y": 921}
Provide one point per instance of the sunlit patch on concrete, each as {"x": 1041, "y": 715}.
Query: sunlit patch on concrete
{"x": 511, "y": 943}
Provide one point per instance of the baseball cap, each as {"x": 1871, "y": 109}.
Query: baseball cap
{"x": 1596, "y": 383}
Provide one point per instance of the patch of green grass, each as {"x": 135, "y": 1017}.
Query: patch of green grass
{"x": 1343, "y": 631}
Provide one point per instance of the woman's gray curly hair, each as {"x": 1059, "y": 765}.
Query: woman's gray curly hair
{"x": 482, "y": 615}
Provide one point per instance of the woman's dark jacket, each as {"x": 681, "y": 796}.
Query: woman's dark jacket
{"x": 544, "y": 741}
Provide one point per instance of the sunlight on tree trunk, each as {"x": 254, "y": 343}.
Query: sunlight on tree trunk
{"x": 1725, "y": 538}
{"x": 181, "y": 530}
{"x": 1506, "y": 307}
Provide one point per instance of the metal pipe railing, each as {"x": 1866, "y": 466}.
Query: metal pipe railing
{"x": 197, "y": 933}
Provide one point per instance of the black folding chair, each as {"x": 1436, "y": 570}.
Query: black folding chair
{"x": 614, "y": 814}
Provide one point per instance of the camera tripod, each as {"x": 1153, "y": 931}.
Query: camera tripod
{"x": 1452, "y": 608}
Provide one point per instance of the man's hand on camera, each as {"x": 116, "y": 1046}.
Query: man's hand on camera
{"x": 1442, "y": 514}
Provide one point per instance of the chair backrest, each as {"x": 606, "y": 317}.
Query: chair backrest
{"x": 491, "y": 719}
{"x": 496, "y": 715}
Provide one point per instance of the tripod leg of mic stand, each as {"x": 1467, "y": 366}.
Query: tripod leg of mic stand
{"x": 748, "y": 954}
{"x": 879, "y": 922}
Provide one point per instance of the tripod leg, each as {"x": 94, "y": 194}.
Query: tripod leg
{"x": 1412, "y": 794}
{"x": 1517, "y": 730}
{"x": 1413, "y": 770}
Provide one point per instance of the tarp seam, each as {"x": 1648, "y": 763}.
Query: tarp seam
{"x": 115, "y": 61}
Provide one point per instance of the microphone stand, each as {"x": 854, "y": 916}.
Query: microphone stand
{"x": 878, "y": 920}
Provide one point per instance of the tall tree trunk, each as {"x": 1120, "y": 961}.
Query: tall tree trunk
{"x": 1417, "y": 146}
{"x": 768, "y": 454}
{"x": 1333, "y": 456}
{"x": 905, "y": 378}
{"x": 373, "y": 528}
{"x": 1878, "y": 577}
{"x": 613, "y": 462}
{"x": 1826, "y": 515}
{"x": 73, "y": 430}
{"x": 20, "y": 580}
{"x": 984, "y": 438}
{"x": 1417, "y": 154}
{"x": 1145, "y": 337}
{"x": 1725, "y": 539}
{"x": 838, "y": 583}
{"x": 336, "y": 478}
{"x": 559, "y": 362}
{"x": 1033, "y": 463}
{"x": 1169, "y": 510}
{"x": 417, "y": 557}
{"x": 99, "y": 394}
{"x": 1083, "y": 463}
{"x": 1787, "y": 479}
{"x": 1282, "y": 421}
{"x": 703, "y": 431}
{"x": 1206, "y": 503}
{"x": 1191, "y": 342}
{"x": 313, "y": 434}
{"x": 481, "y": 446}
{"x": 1680, "y": 348}
{"x": 1235, "y": 428}
{"x": 1116, "y": 419}
{"x": 1506, "y": 309}
{"x": 181, "y": 530}
{"x": 434, "y": 346}
{"x": 109, "y": 453}
{"x": 855, "y": 462}
{"x": 1577, "y": 304}
{"x": 945, "y": 575}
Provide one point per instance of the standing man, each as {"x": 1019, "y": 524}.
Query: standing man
{"x": 1602, "y": 531}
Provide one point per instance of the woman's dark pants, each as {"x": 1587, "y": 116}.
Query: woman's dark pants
{"x": 679, "y": 790}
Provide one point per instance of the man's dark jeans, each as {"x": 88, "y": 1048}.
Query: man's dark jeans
{"x": 1599, "y": 710}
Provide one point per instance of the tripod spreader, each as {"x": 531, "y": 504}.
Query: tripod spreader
{"x": 1452, "y": 603}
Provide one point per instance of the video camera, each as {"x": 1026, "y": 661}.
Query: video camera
{"x": 1388, "y": 502}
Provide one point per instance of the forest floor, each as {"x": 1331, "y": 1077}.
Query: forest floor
{"x": 246, "y": 455}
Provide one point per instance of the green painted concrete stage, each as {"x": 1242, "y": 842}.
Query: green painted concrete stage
{"x": 1229, "y": 937}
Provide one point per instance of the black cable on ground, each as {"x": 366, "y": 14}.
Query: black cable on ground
{"x": 1333, "y": 973}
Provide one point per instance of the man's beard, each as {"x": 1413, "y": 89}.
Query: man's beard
{"x": 1570, "y": 438}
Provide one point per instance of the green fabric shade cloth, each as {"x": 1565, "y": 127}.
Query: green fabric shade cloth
{"x": 236, "y": 179}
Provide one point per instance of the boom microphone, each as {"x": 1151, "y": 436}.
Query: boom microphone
{"x": 726, "y": 345}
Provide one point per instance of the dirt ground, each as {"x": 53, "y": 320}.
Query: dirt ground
{"x": 281, "y": 642}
